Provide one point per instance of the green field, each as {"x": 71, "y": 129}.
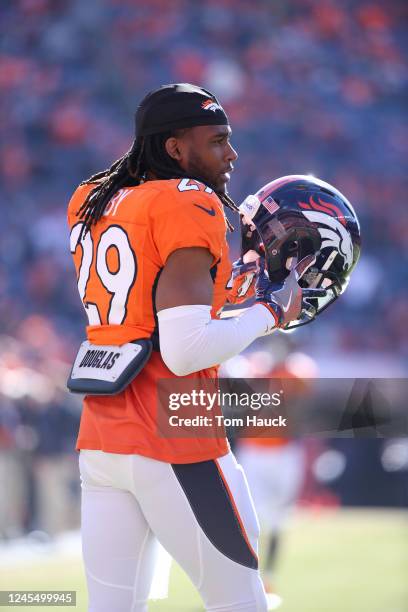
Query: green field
{"x": 346, "y": 561}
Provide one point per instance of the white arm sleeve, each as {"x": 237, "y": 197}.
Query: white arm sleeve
{"x": 191, "y": 341}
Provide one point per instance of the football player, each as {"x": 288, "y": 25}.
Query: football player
{"x": 148, "y": 238}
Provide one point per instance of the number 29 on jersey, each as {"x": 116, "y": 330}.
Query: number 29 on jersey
{"x": 117, "y": 282}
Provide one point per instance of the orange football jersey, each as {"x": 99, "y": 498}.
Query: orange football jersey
{"x": 118, "y": 265}
{"x": 296, "y": 388}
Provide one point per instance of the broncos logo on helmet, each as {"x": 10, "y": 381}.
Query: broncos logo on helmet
{"x": 333, "y": 235}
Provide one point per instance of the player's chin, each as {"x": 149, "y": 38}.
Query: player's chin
{"x": 222, "y": 182}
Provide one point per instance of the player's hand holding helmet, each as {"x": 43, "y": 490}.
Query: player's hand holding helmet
{"x": 285, "y": 300}
{"x": 309, "y": 235}
{"x": 243, "y": 275}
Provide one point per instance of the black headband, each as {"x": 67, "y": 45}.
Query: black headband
{"x": 175, "y": 106}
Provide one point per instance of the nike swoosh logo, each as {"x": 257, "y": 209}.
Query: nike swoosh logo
{"x": 210, "y": 211}
{"x": 286, "y": 308}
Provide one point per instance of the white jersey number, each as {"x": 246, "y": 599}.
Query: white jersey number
{"x": 187, "y": 184}
{"x": 118, "y": 283}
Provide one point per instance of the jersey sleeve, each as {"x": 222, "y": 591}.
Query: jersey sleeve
{"x": 191, "y": 219}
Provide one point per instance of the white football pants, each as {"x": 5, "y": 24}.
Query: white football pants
{"x": 202, "y": 513}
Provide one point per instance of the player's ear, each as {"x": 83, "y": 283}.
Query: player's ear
{"x": 172, "y": 148}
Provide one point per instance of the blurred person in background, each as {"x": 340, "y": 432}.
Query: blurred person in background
{"x": 13, "y": 478}
{"x": 54, "y": 469}
{"x": 38, "y": 426}
{"x": 274, "y": 465}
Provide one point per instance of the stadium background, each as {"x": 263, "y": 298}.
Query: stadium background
{"x": 310, "y": 87}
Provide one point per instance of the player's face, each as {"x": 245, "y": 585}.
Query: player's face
{"x": 206, "y": 152}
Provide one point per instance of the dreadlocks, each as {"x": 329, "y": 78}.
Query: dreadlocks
{"x": 146, "y": 153}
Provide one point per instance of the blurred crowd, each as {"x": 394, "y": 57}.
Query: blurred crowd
{"x": 311, "y": 86}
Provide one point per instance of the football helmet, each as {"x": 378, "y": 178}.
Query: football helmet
{"x": 296, "y": 216}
